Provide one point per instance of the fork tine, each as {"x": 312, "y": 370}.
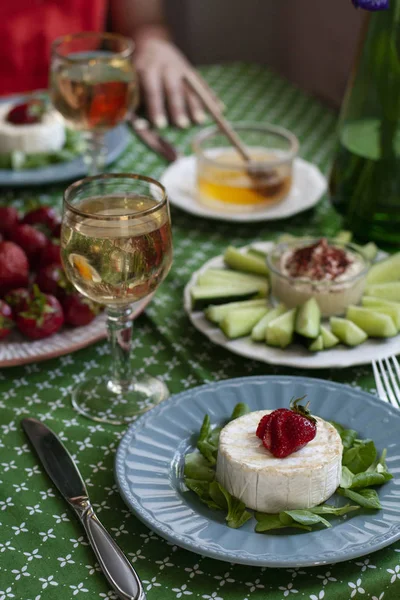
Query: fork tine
{"x": 386, "y": 383}
{"x": 393, "y": 380}
{"x": 396, "y": 366}
{"x": 378, "y": 382}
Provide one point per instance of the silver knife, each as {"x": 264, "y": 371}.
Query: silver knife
{"x": 153, "y": 139}
{"x": 64, "y": 473}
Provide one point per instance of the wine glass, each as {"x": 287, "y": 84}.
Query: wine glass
{"x": 94, "y": 86}
{"x": 116, "y": 248}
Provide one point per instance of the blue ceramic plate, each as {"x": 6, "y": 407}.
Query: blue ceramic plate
{"x": 149, "y": 466}
{"x": 116, "y": 141}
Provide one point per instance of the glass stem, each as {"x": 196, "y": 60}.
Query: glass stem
{"x": 120, "y": 338}
{"x": 96, "y": 152}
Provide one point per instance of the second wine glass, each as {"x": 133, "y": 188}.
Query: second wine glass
{"x": 116, "y": 248}
{"x": 93, "y": 86}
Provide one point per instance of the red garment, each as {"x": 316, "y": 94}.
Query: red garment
{"x": 27, "y": 29}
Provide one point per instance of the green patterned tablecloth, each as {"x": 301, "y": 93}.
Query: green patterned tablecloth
{"x": 43, "y": 552}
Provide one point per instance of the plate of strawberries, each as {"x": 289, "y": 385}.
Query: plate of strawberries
{"x": 42, "y": 316}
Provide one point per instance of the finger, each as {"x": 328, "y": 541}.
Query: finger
{"x": 195, "y": 107}
{"x": 153, "y": 91}
{"x": 176, "y": 100}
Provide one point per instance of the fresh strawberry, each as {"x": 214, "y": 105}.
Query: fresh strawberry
{"x": 51, "y": 279}
{"x": 6, "y": 320}
{"x": 17, "y": 299}
{"x": 31, "y": 240}
{"x": 44, "y": 216}
{"x": 14, "y": 267}
{"x": 79, "y": 310}
{"x": 26, "y": 113}
{"x": 50, "y": 254}
{"x": 285, "y": 431}
{"x": 8, "y": 219}
{"x": 42, "y": 316}
{"x": 56, "y": 233}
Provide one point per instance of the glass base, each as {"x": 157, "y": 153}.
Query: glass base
{"x": 97, "y": 400}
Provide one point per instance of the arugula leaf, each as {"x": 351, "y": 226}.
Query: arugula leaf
{"x": 348, "y": 436}
{"x": 237, "y": 513}
{"x": 360, "y": 456}
{"x": 305, "y": 517}
{"x": 197, "y": 467}
{"x": 202, "y": 489}
{"x": 240, "y": 409}
{"x": 366, "y": 498}
{"x": 267, "y": 522}
{"x": 209, "y": 436}
{"x": 346, "y": 478}
{"x": 328, "y": 509}
{"x": 368, "y": 478}
{"x": 208, "y": 441}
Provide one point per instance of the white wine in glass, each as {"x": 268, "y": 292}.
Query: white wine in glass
{"x": 93, "y": 86}
{"x": 116, "y": 248}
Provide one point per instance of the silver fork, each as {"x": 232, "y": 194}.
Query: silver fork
{"x": 387, "y": 379}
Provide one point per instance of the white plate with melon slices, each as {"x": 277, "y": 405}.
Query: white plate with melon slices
{"x": 246, "y": 336}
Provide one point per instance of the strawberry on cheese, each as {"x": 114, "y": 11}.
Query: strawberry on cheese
{"x": 19, "y": 130}
{"x": 266, "y": 483}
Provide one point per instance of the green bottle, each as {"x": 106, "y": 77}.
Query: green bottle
{"x": 365, "y": 176}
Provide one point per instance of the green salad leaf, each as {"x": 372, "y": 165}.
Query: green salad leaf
{"x": 366, "y": 498}
{"x": 301, "y": 519}
{"x": 208, "y": 439}
{"x": 360, "y": 456}
{"x": 18, "y": 160}
{"x": 237, "y": 515}
{"x": 197, "y": 467}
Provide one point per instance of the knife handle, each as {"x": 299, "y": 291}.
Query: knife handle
{"x": 119, "y": 572}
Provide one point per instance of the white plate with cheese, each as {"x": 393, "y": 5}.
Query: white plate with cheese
{"x": 48, "y": 136}
{"x": 149, "y": 473}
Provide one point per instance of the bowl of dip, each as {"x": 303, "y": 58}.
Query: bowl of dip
{"x": 222, "y": 175}
{"x": 332, "y": 273}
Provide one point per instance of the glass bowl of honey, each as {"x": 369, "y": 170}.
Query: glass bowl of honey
{"x": 224, "y": 179}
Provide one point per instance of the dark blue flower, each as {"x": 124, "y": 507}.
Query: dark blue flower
{"x": 371, "y": 4}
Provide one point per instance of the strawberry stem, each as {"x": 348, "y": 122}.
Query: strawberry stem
{"x": 301, "y": 410}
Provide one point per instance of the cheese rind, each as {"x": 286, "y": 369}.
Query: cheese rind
{"x": 268, "y": 484}
{"x": 46, "y": 136}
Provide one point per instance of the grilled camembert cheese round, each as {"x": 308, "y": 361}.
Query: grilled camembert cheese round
{"x": 269, "y": 484}
{"x": 46, "y": 136}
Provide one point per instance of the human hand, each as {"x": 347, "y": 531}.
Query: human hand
{"x": 161, "y": 69}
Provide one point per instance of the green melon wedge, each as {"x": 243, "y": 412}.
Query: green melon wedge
{"x": 203, "y": 296}
{"x": 347, "y": 331}
{"x": 388, "y": 291}
{"x": 215, "y": 314}
{"x": 259, "y": 330}
{"x": 343, "y": 236}
{"x": 375, "y": 324}
{"x": 240, "y": 322}
{"x": 280, "y": 331}
{"x": 384, "y": 306}
{"x": 218, "y": 277}
{"x": 385, "y": 270}
{"x": 329, "y": 339}
{"x": 245, "y": 262}
{"x": 317, "y": 344}
{"x": 369, "y": 251}
{"x": 257, "y": 253}
{"x": 308, "y": 319}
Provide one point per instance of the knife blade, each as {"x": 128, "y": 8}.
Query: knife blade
{"x": 153, "y": 139}
{"x": 62, "y": 470}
